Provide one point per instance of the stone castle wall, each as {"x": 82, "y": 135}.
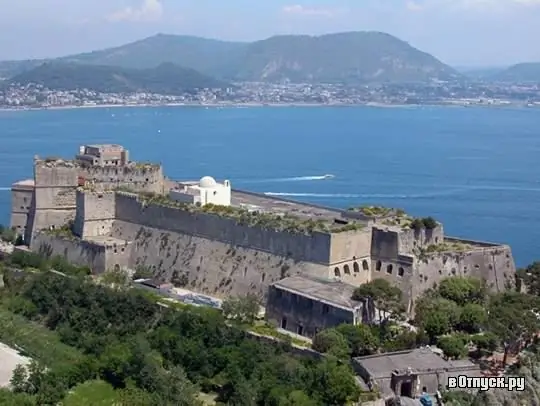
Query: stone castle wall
{"x": 78, "y": 252}
{"x": 56, "y": 182}
{"x": 218, "y": 256}
{"x": 301, "y": 247}
{"x": 22, "y": 207}
{"x": 209, "y": 266}
{"x": 95, "y": 213}
{"x": 138, "y": 177}
{"x": 415, "y": 274}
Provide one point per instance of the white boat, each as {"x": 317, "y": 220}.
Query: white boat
{"x": 328, "y": 176}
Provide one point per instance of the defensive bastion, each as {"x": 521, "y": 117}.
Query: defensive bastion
{"x": 247, "y": 245}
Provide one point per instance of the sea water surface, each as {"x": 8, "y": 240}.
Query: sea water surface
{"x": 474, "y": 169}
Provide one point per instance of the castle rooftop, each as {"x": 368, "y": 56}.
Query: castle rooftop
{"x": 261, "y": 202}
{"x": 334, "y": 292}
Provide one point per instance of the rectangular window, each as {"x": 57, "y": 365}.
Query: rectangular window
{"x": 300, "y": 330}
{"x": 325, "y": 309}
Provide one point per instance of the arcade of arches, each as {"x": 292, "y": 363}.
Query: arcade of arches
{"x": 347, "y": 268}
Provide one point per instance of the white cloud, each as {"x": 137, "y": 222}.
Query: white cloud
{"x": 297, "y": 9}
{"x": 149, "y": 10}
{"x": 481, "y": 5}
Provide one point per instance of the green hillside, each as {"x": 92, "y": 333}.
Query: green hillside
{"x": 166, "y": 78}
{"x": 520, "y": 73}
{"x": 346, "y": 57}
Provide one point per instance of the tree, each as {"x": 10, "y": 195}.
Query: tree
{"x": 436, "y": 315}
{"x": 513, "y": 318}
{"x": 487, "y": 342}
{"x": 332, "y": 342}
{"x": 334, "y": 384}
{"x": 472, "y": 318}
{"x": 179, "y": 391}
{"x": 529, "y": 278}
{"x": 452, "y": 345}
{"x": 243, "y": 309}
{"x": 463, "y": 290}
{"x": 386, "y": 297}
{"x": 360, "y": 338}
{"x": 18, "y": 379}
{"x": 298, "y": 398}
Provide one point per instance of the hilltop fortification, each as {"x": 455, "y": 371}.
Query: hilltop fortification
{"x": 49, "y": 200}
{"x": 211, "y": 238}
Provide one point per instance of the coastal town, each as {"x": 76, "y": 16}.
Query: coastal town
{"x": 459, "y": 94}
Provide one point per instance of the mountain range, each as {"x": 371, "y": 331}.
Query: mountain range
{"x": 350, "y": 58}
{"x": 166, "y": 78}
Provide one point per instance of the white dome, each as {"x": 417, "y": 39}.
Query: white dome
{"x": 207, "y": 182}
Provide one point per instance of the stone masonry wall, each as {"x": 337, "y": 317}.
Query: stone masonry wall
{"x": 350, "y": 245}
{"x": 55, "y": 199}
{"x": 95, "y": 213}
{"x": 22, "y": 203}
{"x": 82, "y": 253}
{"x": 310, "y": 248}
{"x": 147, "y": 178}
{"x": 392, "y": 259}
{"x": 209, "y": 266}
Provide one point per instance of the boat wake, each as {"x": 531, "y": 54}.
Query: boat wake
{"x": 4, "y": 189}
{"x": 300, "y": 178}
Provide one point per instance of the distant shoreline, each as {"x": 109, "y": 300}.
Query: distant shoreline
{"x": 250, "y": 105}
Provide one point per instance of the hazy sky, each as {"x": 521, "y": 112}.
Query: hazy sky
{"x": 459, "y": 32}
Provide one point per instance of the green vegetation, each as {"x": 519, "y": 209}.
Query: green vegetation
{"x": 376, "y": 211}
{"x": 428, "y": 223}
{"x": 460, "y": 316}
{"x": 351, "y": 58}
{"x": 32, "y": 261}
{"x": 7, "y": 234}
{"x": 445, "y": 246}
{"x": 119, "y": 345}
{"x": 92, "y": 393}
{"x": 386, "y": 297}
{"x": 166, "y": 78}
{"x": 241, "y": 309}
{"x": 269, "y": 221}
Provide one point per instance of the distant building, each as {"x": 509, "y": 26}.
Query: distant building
{"x": 103, "y": 155}
{"x": 405, "y": 373}
{"x": 206, "y": 191}
{"x": 305, "y": 305}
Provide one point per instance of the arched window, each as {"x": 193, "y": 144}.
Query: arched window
{"x": 337, "y": 273}
{"x": 347, "y": 270}
{"x": 401, "y": 271}
{"x": 378, "y": 266}
{"x": 389, "y": 269}
{"x": 365, "y": 265}
{"x": 356, "y": 268}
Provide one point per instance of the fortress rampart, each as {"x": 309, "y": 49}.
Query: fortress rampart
{"x": 52, "y": 195}
{"x": 224, "y": 250}
{"x": 311, "y": 248}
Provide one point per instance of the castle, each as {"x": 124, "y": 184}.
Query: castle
{"x": 102, "y": 210}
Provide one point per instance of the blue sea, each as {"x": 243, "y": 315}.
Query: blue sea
{"x": 474, "y": 169}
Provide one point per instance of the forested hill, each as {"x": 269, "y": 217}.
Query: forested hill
{"x": 352, "y": 57}
{"x": 520, "y": 73}
{"x": 167, "y": 78}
